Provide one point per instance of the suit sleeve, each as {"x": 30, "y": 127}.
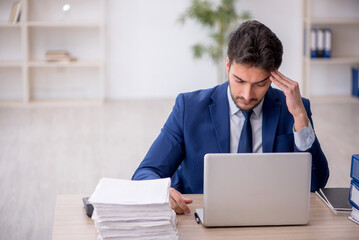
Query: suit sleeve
{"x": 320, "y": 170}
{"x": 167, "y": 151}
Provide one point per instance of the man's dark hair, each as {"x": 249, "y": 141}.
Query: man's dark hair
{"x": 255, "y": 45}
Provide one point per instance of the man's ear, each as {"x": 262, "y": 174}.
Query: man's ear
{"x": 227, "y": 66}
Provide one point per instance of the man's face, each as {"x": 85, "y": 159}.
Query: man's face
{"x": 248, "y": 85}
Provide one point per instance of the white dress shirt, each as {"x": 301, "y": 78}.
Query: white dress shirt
{"x": 303, "y": 139}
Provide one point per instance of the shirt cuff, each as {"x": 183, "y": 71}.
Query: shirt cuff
{"x": 304, "y": 138}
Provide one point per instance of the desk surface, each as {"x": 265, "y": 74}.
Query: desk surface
{"x": 71, "y": 222}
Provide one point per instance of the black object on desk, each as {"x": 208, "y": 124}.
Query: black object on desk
{"x": 88, "y": 207}
{"x": 196, "y": 217}
{"x": 336, "y": 199}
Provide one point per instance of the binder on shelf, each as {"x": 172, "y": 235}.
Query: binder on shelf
{"x": 327, "y": 52}
{"x": 313, "y": 43}
{"x": 320, "y": 42}
{"x": 355, "y": 81}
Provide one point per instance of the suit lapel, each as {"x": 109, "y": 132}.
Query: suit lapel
{"x": 271, "y": 112}
{"x": 219, "y": 111}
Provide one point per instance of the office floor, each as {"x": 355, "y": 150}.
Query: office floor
{"x": 45, "y": 151}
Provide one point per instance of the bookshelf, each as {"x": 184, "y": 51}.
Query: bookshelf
{"x": 341, "y": 16}
{"x": 25, "y": 75}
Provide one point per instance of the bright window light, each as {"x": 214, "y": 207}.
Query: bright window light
{"x": 66, "y": 7}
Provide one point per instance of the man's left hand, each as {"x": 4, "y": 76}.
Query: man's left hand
{"x": 294, "y": 102}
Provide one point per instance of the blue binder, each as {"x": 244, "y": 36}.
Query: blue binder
{"x": 354, "y": 188}
{"x": 313, "y": 43}
{"x": 355, "y": 84}
{"x": 354, "y": 172}
{"x": 327, "y": 53}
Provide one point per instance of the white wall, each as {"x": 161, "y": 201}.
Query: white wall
{"x": 149, "y": 55}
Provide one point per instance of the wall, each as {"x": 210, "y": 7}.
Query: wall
{"x": 149, "y": 55}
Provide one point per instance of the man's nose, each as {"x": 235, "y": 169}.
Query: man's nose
{"x": 247, "y": 92}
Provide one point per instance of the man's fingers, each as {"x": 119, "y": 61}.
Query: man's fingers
{"x": 279, "y": 75}
{"x": 280, "y": 78}
{"x": 178, "y": 203}
{"x": 278, "y": 83}
{"x": 181, "y": 203}
{"x": 175, "y": 206}
{"x": 284, "y": 77}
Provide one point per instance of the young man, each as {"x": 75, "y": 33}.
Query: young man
{"x": 215, "y": 120}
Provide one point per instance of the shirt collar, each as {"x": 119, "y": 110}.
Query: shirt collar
{"x": 233, "y": 109}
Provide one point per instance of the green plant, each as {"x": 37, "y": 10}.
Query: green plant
{"x": 221, "y": 20}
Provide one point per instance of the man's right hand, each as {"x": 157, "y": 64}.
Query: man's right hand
{"x": 178, "y": 202}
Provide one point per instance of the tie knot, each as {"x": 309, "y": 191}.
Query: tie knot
{"x": 248, "y": 114}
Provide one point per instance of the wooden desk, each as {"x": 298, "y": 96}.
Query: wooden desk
{"x": 71, "y": 222}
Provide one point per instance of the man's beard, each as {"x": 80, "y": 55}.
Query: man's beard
{"x": 242, "y": 98}
{"x": 246, "y": 109}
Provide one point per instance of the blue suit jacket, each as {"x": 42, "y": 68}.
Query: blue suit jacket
{"x": 199, "y": 124}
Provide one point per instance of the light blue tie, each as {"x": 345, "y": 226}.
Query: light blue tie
{"x": 245, "y": 141}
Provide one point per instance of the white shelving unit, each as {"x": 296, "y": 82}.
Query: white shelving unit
{"x": 26, "y": 77}
{"x": 342, "y": 17}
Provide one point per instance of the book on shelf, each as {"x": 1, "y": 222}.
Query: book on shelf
{"x": 59, "y": 56}
{"x": 15, "y": 12}
{"x": 354, "y": 189}
{"x": 336, "y": 199}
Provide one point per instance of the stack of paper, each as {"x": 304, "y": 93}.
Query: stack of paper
{"x": 125, "y": 209}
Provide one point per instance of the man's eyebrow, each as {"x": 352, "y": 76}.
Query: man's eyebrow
{"x": 253, "y": 83}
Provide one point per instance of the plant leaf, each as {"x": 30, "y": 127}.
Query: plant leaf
{"x": 202, "y": 12}
{"x": 221, "y": 20}
{"x": 198, "y": 50}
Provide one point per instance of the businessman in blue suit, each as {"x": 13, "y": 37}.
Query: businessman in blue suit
{"x": 244, "y": 114}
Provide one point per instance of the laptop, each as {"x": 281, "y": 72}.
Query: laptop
{"x": 256, "y": 189}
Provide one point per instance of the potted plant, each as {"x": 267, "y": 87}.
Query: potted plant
{"x": 221, "y": 20}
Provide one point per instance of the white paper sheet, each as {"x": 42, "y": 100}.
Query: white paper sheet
{"x": 119, "y": 191}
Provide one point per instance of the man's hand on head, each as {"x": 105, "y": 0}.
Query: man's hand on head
{"x": 295, "y": 105}
{"x": 178, "y": 202}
